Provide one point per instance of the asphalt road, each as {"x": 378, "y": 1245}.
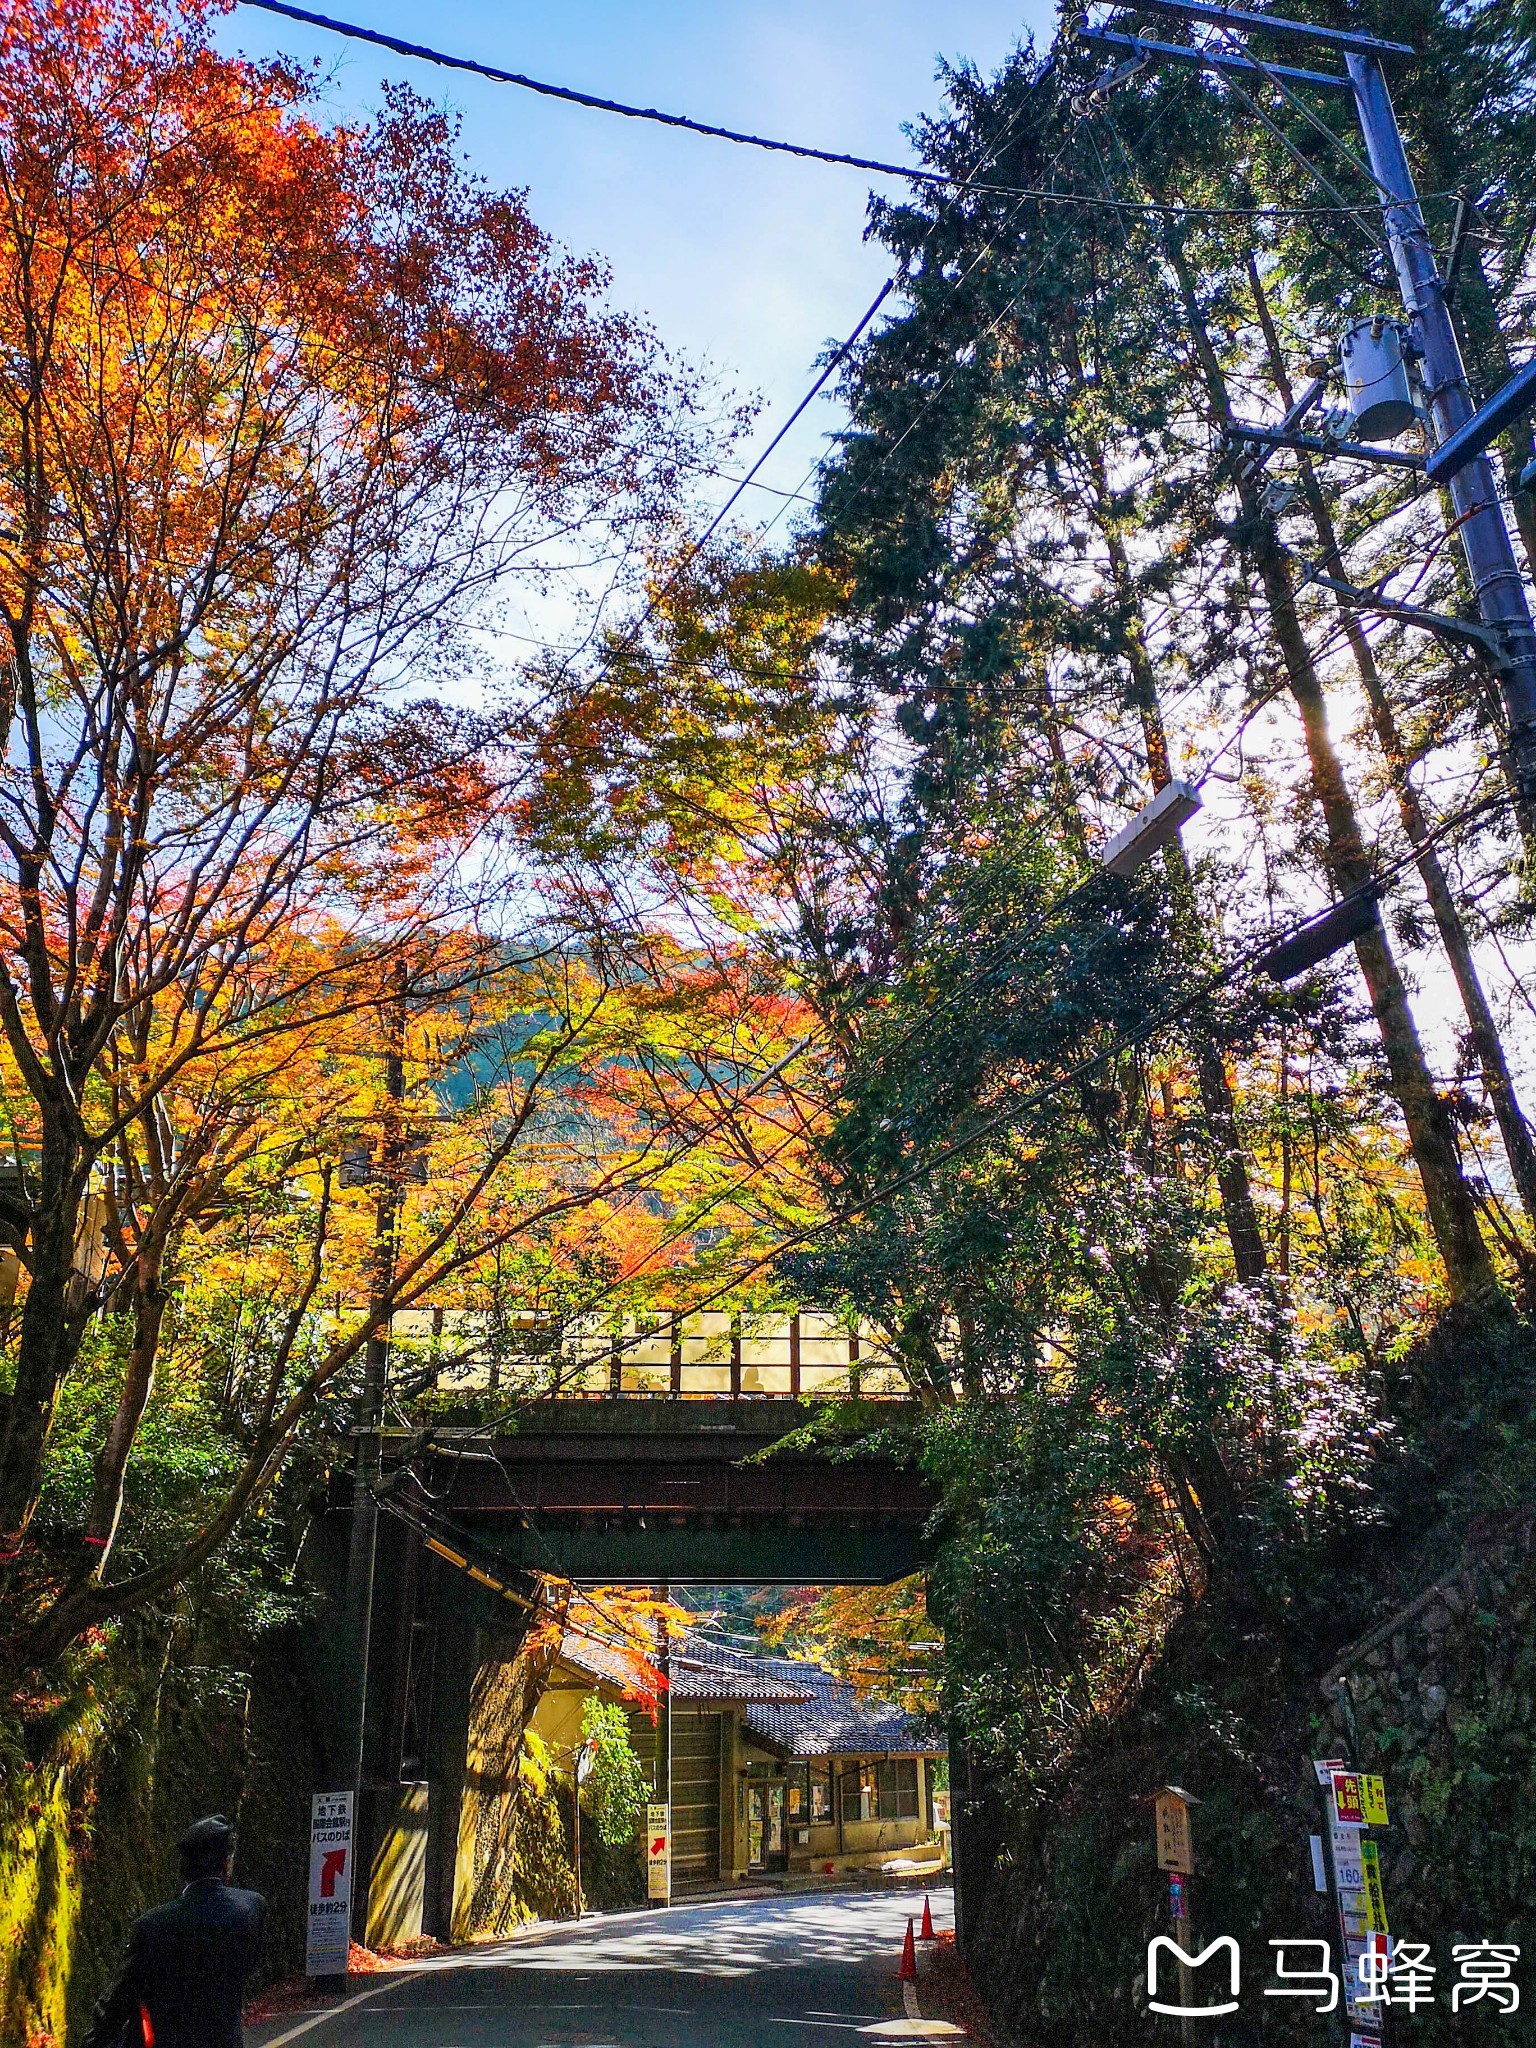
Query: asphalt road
{"x": 740, "y": 1973}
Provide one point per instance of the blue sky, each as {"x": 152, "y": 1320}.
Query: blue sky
{"x": 749, "y": 261}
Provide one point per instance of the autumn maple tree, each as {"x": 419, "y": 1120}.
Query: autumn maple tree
{"x": 283, "y": 407}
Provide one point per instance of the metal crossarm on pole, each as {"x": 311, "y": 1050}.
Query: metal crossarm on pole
{"x": 1254, "y": 451}
{"x": 1275, "y": 25}
{"x": 1319, "y": 444}
{"x": 1464, "y": 630}
{"x": 1485, "y": 425}
{"x": 1216, "y": 60}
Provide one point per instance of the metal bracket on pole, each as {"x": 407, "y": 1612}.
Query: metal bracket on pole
{"x": 1458, "y": 246}
{"x": 1319, "y": 444}
{"x": 1466, "y": 630}
{"x": 1485, "y": 426}
{"x": 1251, "y": 455}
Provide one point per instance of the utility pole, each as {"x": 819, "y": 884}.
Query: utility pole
{"x": 664, "y": 1732}
{"x": 1490, "y": 556}
{"x": 367, "y": 1464}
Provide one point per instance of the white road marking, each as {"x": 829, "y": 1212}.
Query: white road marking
{"x": 840, "y": 2026}
{"x": 319, "y": 2019}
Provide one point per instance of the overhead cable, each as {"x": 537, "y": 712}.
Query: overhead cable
{"x": 1003, "y": 1119}
{"x": 423, "y": 53}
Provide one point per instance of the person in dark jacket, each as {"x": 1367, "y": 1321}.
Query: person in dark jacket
{"x": 183, "y": 1979}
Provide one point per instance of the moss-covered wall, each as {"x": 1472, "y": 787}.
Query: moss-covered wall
{"x": 98, "y": 1789}
{"x": 1060, "y": 1886}
{"x": 1062, "y": 1892}
{"x": 39, "y": 1906}
{"x": 1440, "y": 1698}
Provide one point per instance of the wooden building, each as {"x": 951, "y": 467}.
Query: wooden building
{"x": 777, "y": 1766}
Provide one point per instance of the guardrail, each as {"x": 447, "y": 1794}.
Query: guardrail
{"x": 706, "y": 1355}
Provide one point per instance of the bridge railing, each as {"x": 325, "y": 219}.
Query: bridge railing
{"x": 705, "y": 1355}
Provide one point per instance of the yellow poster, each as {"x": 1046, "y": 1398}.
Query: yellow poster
{"x": 1375, "y": 1898}
{"x": 1373, "y": 1801}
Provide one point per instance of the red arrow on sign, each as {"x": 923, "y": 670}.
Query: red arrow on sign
{"x": 332, "y": 1864}
{"x": 658, "y": 1847}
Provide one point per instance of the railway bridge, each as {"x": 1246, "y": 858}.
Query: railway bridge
{"x": 687, "y": 1450}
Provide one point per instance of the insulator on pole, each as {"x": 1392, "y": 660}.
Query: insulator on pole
{"x": 1151, "y": 828}
{"x": 1324, "y": 934}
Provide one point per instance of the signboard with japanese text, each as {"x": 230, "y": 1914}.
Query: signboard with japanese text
{"x": 1174, "y": 1850}
{"x": 658, "y": 1853}
{"x": 328, "y": 1938}
{"x": 1352, "y": 1802}
{"x": 1348, "y": 1869}
{"x": 1375, "y": 1897}
{"x": 1346, "y": 1797}
{"x": 1362, "y": 2000}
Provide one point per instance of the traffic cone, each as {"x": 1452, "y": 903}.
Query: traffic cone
{"x": 908, "y": 1968}
{"x": 925, "y": 1932}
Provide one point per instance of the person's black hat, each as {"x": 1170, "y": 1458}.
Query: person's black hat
{"x": 206, "y": 1847}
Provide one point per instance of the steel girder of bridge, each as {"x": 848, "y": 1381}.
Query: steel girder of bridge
{"x": 642, "y": 1491}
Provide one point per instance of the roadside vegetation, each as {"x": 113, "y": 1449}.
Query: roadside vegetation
{"x": 764, "y": 951}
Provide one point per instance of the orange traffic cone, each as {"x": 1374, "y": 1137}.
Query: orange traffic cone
{"x": 925, "y": 1932}
{"x": 908, "y": 1968}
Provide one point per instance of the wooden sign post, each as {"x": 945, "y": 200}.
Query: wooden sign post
{"x": 1176, "y": 1855}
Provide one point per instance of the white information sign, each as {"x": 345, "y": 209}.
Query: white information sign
{"x": 658, "y": 1853}
{"x": 1348, "y": 1870}
{"x": 328, "y": 1944}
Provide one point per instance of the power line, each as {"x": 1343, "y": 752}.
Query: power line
{"x": 999, "y": 1120}
{"x": 1062, "y": 905}
{"x": 423, "y": 53}
{"x": 997, "y": 952}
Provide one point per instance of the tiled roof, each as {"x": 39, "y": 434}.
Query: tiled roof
{"x": 700, "y": 1670}
{"x": 798, "y": 1709}
{"x": 833, "y": 1719}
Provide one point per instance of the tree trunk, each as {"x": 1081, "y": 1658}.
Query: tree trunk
{"x": 1216, "y": 1099}
{"x": 1431, "y": 1137}
{"x": 1488, "y": 1045}
{"x": 53, "y": 1321}
{"x": 138, "y": 1384}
